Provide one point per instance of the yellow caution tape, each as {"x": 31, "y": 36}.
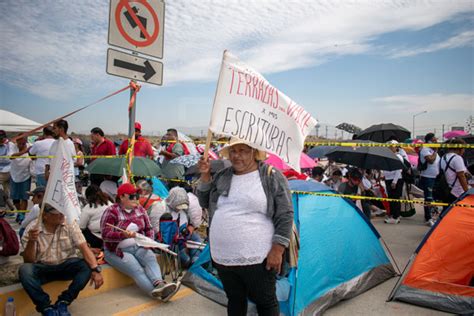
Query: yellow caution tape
{"x": 352, "y": 144}
{"x": 355, "y": 197}
{"x": 403, "y": 145}
{"x": 360, "y": 197}
{"x": 347, "y": 196}
{"x": 341, "y": 144}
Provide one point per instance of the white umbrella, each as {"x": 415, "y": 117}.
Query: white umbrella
{"x": 187, "y": 160}
{"x": 189, "y": 143}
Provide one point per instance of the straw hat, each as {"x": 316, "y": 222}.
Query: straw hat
{"x": 261, "y": 155}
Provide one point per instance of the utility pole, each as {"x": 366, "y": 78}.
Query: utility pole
{"x": 413, "y": 129}
{"x": 326, "y": 132}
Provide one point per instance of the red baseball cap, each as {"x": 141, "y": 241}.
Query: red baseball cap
{"x": 138, "y": 126}
{"x": 126, "y": 188}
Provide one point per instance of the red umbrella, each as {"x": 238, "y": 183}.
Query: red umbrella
{"x": 453, "y": 134}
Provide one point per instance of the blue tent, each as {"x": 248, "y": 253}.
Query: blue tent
{"x": 340, "y": 255}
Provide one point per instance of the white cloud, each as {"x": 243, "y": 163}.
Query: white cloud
{"x": 57, "y": 49}
{"x": 460, "y": 40}
{"x": 430, "y": 102}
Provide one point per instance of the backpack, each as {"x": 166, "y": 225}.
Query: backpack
{"x": 442, "y": 189}
{"x": 422, "y": 165}
{"x": 408, "y": 175}
{"x": 9, "y": 240}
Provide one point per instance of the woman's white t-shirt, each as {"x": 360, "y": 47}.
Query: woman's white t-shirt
{"x": 241, "y": 233}
{"x": 90, "y": 218}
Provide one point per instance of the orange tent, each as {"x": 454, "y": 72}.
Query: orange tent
{"x": 440, "y": 274}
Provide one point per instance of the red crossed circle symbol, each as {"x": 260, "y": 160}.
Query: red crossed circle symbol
{"x": 149, "y": 39}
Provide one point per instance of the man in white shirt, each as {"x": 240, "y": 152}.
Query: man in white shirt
{"x": 429, "y": 169}
{"x": 42, "y": 148}
{"x": 60, "y": 130}
{"x": 20, "y": 176}
{"x": 455, "y": 170}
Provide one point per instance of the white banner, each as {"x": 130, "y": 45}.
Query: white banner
{"x": 61, "y": 189}
{"x": 248, "y": 107}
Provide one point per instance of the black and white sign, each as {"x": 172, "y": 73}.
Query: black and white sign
{"x": 137, "y": 25}
{"x": 134, "y": 67}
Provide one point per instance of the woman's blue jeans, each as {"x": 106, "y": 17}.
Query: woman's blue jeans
{"x": 138, "y": 263}
{"x": 188, "y": 256}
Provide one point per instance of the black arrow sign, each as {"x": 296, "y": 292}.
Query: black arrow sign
{"x": 147, "y": 69}
{"x": 132, "y": 21}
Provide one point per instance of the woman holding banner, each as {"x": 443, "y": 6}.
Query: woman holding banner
{"x": 251, "y": 218}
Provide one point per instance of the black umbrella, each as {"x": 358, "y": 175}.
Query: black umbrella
{"x": 320, "y": 151}
{"x": 216, "y": 165}
{"x": 383, "y": 132}
{"x": 380, "y": 158}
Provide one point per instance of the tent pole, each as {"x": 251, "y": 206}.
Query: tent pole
{"x": 392, "y": 293}
{"x": 391, "y": 256}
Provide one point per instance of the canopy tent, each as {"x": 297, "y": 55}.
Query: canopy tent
{"x": 11, "y": 122}
{"x": 340, "y": 256}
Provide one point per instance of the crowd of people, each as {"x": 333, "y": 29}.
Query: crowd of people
{"x": 112, "y": 215}
{"x": 429, "y": 175}
{"x": 250, "y": 199}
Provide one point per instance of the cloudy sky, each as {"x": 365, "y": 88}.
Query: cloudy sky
{"x": 361, "y": 62}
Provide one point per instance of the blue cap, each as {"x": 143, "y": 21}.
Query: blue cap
{"x": 10, "y": 299}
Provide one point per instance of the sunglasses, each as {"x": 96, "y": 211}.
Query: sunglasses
{"x": 134, "y": 196}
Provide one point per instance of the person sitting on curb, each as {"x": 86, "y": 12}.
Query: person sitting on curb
{"x": 50, "y": 253}
{"x": 177, "y": 205}
{"x": 120, "y": 224}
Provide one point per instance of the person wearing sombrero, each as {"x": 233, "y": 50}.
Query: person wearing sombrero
{"x": 251, "y": 217}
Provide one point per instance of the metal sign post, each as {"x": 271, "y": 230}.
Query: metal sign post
{"x": 138, "y": 26}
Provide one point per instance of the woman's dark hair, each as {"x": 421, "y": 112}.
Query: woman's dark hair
{"x": 354, "y": 173}
{"x": 317, "y": 172}
{"x": 48, "y": 131}
{"x": 337, "y": 173}
{"x": 95, "y": 197}
{"x": 429, "y": 137}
